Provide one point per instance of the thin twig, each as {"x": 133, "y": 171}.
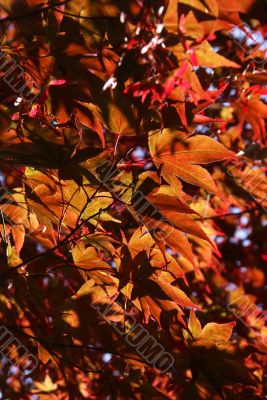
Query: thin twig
{"x": 37, "y": 11}
{"x": 97, "y": 17}
{"x": 232, "y": 214}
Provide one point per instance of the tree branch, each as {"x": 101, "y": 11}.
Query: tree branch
{"x": 31, "y": 13}
{"x": 97, "y": 17}
{"x": 53, "y": 6}
{"x": 231, "y": 214}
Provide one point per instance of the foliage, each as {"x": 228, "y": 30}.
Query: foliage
{"x": 133, "y": 169}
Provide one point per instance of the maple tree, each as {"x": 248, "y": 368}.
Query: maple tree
{"x": 133, "y": 194}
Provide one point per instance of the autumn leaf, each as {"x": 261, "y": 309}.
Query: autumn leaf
{"x": 204, "y": 6}
{"x": 133, "y": 199}
{"x": 177, "y": 158}
{"x": 171, "y": 16}
{"x": 89, "y": 260}
{"x": 253, "y": 111}
{"x": 148, "y": 290}
{"x": 214, "y": 333}
{"x": 119, "y": 117}
{"x": 207, "y": 57}
{"x": 47, "y": 385}
{"x": 194, "y": 325}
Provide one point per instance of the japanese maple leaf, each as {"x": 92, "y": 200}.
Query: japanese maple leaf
{"x": 177, "y": 157}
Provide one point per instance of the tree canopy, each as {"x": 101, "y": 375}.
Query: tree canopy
{"x": 133, "y": 199}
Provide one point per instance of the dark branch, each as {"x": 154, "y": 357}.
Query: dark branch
{"x": 53, "y": 6}
{"x": 232, "y": 214}
{"x": 31, "y": 13}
